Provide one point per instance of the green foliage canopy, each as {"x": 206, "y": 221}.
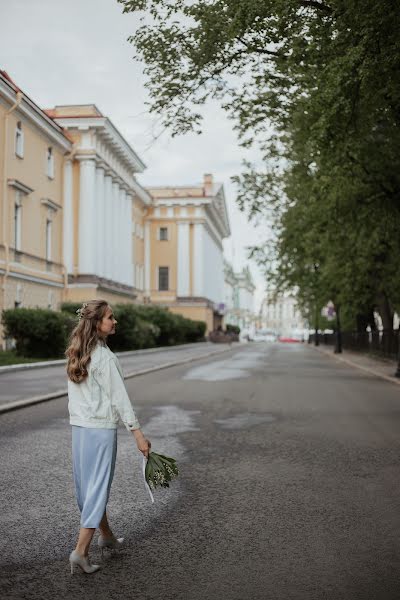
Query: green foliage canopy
{"x": 316, "y": 86}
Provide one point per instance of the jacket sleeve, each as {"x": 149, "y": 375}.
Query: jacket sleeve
{"x": 116, "y": 391}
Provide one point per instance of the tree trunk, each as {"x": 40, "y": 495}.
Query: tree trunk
{"x": 316, "y": 340}
{"x": 385, "y": 311}
{"x": 363, "y": 320}
{"x": 338, "y": 337}
{"x": 386, "y": 314}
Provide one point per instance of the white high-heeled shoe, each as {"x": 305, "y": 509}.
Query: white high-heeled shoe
{"x": 112, "y": 543}
{"x": 83, "y": 562}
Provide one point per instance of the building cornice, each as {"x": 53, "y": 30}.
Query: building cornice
{"x": 35, "y": 115}
{"x": 108, "y": 133}
{"x": 189, "y": 200}
{"x": 32, "y": 278}
{"x": 213, "y": 218}
{"x": 208, "y": 202}
{"x": 142, "y": 193}
{"x": 51, "y": 204}
{"x": 18, "y": 185}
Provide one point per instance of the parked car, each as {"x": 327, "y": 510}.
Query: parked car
{"x": 263, "y": 336}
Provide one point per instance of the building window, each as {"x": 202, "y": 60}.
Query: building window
{"x": 19, "y": 141}
{"x": 163, "y": 276}
{"x": 18, "y": 296}
{"x": 50, "y": 163}
{"x": 48, "y": 239}
{"x": 163, "y": 233}
{"x": 50, "y": 300}
{"x": 17, "y": 221}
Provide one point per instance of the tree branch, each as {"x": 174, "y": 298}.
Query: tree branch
{"x": 260, "y": 50}
{"x": 317, "y": 5}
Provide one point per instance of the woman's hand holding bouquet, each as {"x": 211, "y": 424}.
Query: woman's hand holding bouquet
{"x": 142, "y": 443}
{"x": 158, "y": 470}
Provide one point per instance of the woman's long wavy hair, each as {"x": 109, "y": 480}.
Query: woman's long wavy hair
{"x": 83, "y": 339}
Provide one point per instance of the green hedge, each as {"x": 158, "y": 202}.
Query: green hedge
{"x": 132, "y": 332}
{"x": 44, "y": 333}
{"x": 166, "y": 328}
{"x": 233, "y": 329}
{"x": 173, "y": 329}
{"x": 38, "y": 332}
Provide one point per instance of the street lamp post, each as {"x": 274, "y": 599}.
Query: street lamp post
{"x": 316, "y": 340}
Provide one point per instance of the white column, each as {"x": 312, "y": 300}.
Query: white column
{"x": 133, "y": 240}
{"x": 121, "y": 239}
{"x": 147, "y": 261}
{"x": 68, "y": 219}
{"x": 115, "y": 233}
{"x": 198, "y": 254}
{"x": 127, "y": 240}
{"x": 107, "y": 231}
{"x": 122, "y": 236}
{"x": 129, "y": 246}
{"x": 100, "y": 218}
{"x": 86, "y": 212}
{"x": 183, "y": 265}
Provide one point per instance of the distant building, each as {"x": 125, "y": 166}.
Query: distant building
{"x": 231, "y": 293}
{"x": 184, "y": 230}
{"x": 239, "y": 298}
{"x": 279, "y": 313}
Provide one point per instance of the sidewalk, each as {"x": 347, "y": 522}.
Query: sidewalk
{"x": 380, "y": 367}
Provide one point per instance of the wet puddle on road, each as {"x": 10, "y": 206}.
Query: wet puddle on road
{"x": 171, "y": 420}
{"x": 244, "y": 420}
{"x": 237, "y": 367}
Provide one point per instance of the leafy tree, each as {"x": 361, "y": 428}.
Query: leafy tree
{"x": 316, "y": 85}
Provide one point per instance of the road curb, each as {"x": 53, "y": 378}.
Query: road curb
{"x": 15, "y": 405}
{"x": 347, "y": 361}
{"x": 62, "y": 361}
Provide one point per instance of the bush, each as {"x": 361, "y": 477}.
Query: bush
{"x": 168, "y": 326}
{"x": 44, "y": 333}
{"x": 38, "y": 332}
{"x": 195, "y": 331}
{"x": 174, "y": 328}
{"x": 146, "y": 326}
{"x": 233, "y": 329}
{"x": 70, "y": 307}
{"x": 132, "y": 331}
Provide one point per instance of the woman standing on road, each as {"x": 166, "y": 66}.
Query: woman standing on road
{"x": 97, "y": 400}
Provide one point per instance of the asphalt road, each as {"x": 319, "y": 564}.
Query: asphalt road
{"x": 32, "y": 382}
{"x": 288, "y": 487}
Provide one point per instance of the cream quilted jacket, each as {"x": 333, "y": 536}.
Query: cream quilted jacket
{"x": 101, "y": 400}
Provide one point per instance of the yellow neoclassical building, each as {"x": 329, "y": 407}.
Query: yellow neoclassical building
{"x": 32, "y": 152}
{"x": 104, "y": 209}
{"x": 76, "y": 224}
{"x": 184, "y": 230}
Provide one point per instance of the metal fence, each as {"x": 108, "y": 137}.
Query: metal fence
{"x": 384, "y": 342}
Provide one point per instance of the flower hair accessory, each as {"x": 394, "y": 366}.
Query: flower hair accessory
{"x": 80, "y": 310}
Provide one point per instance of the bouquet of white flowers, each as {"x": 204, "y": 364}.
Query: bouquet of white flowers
{"x": 158, "y": 470}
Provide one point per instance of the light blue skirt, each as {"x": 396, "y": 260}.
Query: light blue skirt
{"x": 94, "y": 452}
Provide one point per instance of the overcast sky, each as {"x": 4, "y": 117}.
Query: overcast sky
{"x": 75, "y": 52}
